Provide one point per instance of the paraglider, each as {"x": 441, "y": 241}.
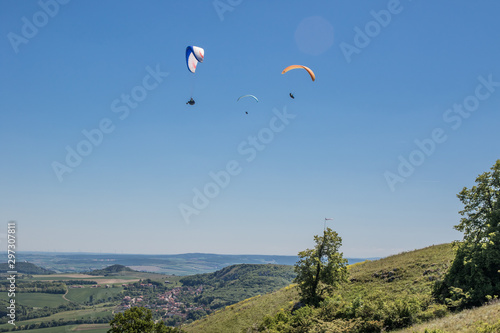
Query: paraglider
{"x": 248, "y": 96}
{"x": 194, "y": 55}
{"x": 311, "y": 73}
{"x": 252, "y": 96}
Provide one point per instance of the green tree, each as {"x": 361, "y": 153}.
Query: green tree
{"x": 474, "y": 273}
{"x": 138, "y": 320}
{"x": 322, "y": 268}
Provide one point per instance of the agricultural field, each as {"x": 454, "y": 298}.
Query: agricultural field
{"x": 98, "y": 279}
{"x": 89, "y": 294}
{"x": 83, "y": 328}
{"x": 37, "y": 300}
{"x": 115, "y": 278}
{"x": 90, "y": 313}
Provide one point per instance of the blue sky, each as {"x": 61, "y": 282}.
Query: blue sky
{"x": 403, "y": 114}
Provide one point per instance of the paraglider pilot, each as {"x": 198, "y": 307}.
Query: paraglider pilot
{"x": 291, "y": 95}
{"x": 191, "y": 101}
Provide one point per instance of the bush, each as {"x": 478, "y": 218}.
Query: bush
{"x": 482, "y": 327}
{"x": 370, "y": 326}
{"x": 433, "y": 311}
{"x": 402, "y": 313}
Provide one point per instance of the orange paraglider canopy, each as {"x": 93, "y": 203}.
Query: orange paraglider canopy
{"x": 313, "y": 77}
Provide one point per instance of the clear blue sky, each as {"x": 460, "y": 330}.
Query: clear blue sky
{"x": 404, "y": 112}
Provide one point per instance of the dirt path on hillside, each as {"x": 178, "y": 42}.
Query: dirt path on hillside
{"x": 64, "y": 296}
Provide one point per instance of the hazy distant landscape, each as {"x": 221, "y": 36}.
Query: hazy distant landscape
{"x": 175, "y": 264}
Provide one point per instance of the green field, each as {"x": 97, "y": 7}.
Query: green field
{"x": 37, "y": 299}
{"x": 82, "y": 295}
{"x": 86, "y": 328}
{"x": 91, "y": 313}
{"x": 129, "y": 276}
{"x": 57, "y": 277}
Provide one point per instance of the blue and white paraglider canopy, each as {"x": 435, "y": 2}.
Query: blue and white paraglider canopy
{"x": 194, "y": 54}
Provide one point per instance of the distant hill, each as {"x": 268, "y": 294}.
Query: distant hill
{"x": 111, "y": 270}
{"x": 238, "y": 282}
{"x": 26, "y": 268}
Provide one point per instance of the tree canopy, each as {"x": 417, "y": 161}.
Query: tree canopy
{"x": 322, "y": 268}
{"x": 474, "y": 275}
{"x": 138, "y": 320}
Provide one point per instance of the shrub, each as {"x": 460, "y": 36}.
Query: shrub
{"x": 482, "y": 327}
{"x": 433, "y": 311}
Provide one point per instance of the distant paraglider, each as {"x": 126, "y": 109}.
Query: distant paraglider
{"x": 244, "y": 96}
{"x": 311, "y": 73}
{"x": 194, "y": 55}
{"x": 248, "y": 96}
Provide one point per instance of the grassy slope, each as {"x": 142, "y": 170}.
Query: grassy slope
{"x": 413, "y": 274}
{"x": 245, "y": 313}
{"x": 467, "y": 321}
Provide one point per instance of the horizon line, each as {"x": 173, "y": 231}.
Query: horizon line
{"x": 176, "y": 254}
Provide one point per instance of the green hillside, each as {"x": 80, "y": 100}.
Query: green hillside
{"x": 238, "y": 282}
{"x": 26, "y": 268}
{"x": 390, "y": 292}
{"x": 484, "y": 319}
{"x": 245, "y": 314}
{"x": 111, "y": 270}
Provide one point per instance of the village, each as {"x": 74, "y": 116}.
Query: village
{"x": 167, "y": 304}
